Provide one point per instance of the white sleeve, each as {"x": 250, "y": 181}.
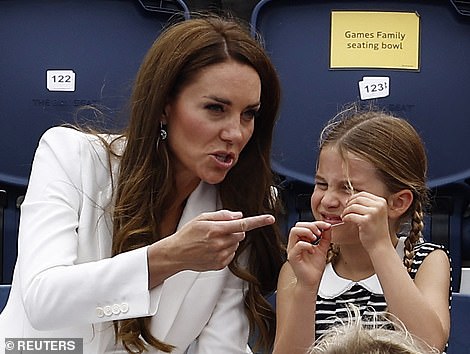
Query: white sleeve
{"x": 64, "y": 281}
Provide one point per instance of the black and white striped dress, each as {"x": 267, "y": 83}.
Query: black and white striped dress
{"x": 335, "y": 292}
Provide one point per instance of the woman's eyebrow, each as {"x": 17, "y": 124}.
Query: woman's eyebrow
{"x": 229, "y": 103}
{"x": 254, "y": 105}
{"x": 219, "y": 99}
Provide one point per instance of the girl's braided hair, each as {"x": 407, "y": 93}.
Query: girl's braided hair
{"x": 394, "y": 147}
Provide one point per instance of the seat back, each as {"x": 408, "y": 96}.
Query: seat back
{"x": 4, "y": 292}
{"x": 58, "y": 57}
{"x": 446, "y": 225}
{"x": 297, "y": 37}
{"x": 459, "y": 341}
{"x": 3, "y": 205}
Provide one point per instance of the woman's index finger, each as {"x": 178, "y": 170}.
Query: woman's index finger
{"x": 249, "y": 223}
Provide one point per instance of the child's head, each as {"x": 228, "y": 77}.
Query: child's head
{"x": 354, "y": 336}
{"x": 393, "y": 147}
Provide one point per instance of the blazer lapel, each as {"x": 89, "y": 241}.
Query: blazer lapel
{"x": 175, "y": 288}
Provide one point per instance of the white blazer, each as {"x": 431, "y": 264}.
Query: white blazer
{"x": 66, "y": 284}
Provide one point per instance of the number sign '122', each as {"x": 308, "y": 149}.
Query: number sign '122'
{"x": 60, "y": 80}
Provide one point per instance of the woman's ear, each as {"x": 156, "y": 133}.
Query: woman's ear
{"x": 399, "y": 203}
{"x": 166, "y": 113}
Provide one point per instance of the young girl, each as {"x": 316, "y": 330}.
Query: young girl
{"x": 369, "y": 188}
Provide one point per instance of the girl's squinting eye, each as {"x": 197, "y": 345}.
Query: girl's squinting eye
{"x": 321, "y": 185}
{"x": 350, "y": 189}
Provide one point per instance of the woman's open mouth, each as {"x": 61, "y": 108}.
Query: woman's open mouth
{"x": 225, "y": 160}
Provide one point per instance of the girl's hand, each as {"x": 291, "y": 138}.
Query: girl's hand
{"x": 370, "y": 214}
{"x": 307, "y": 260}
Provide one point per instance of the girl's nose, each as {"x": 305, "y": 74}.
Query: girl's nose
{"x": 331, "y": 199}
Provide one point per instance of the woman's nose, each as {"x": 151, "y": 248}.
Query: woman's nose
{"x": 232, "y": 130}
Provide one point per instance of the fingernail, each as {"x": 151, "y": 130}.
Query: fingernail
{"x": 237, "y": 214}
{"x": 316, "y": 242}
{"x": 270, "y": 218}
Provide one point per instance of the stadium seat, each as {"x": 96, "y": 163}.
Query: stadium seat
{"x": 297, "y": 37}
{"x": 433, "y": 98}
{"x": 3, "y": 205}
{"x": 459, "y": 342}
{"x": 446, "y": 225}
{"x": 4, "y": 292}
{"x": 58, "y": 57}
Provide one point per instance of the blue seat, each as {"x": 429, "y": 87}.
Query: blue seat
{"x": 4, "y": 292}
{"x": 297, "y": 37}
{"x": 3, "y": 205}
{"x": 101, "y": 42}
{"x": 433, "y": 98}
{"x": 459, "y": 342}
{"x": 447, "y": 224}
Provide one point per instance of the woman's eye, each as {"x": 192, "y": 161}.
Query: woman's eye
{"x": 215, "y": 107}
{"x": 250, "y": 114}
{"x": 321, "y": 185}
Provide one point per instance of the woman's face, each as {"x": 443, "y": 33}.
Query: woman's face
{"x": 211, "y": 120}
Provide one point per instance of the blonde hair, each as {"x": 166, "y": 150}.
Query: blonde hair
{"x": 354, "y": 336}
{"x": 394, "y": 147}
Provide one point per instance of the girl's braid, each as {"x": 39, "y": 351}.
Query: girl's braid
{"x": 417, "y": 225}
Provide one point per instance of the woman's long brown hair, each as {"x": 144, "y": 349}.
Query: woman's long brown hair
{"x": 145, "y": 183}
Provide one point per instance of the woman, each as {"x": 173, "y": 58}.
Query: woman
{"x": 123, "y": 241}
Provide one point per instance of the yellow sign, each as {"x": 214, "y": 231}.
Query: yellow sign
{"x": 372, "y": 40}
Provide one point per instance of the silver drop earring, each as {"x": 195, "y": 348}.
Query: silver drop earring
{"x": 163, "y": 132}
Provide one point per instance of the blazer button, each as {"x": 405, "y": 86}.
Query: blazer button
{"x": 124, "y": 307}
{"x": 108, "y": 311}
{"x": 116, "y": 309}
{"x": 99, "y": 312}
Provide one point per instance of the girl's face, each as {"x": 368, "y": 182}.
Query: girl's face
{"x": 333, "y": 182}
{"x": 211, "y": 120}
